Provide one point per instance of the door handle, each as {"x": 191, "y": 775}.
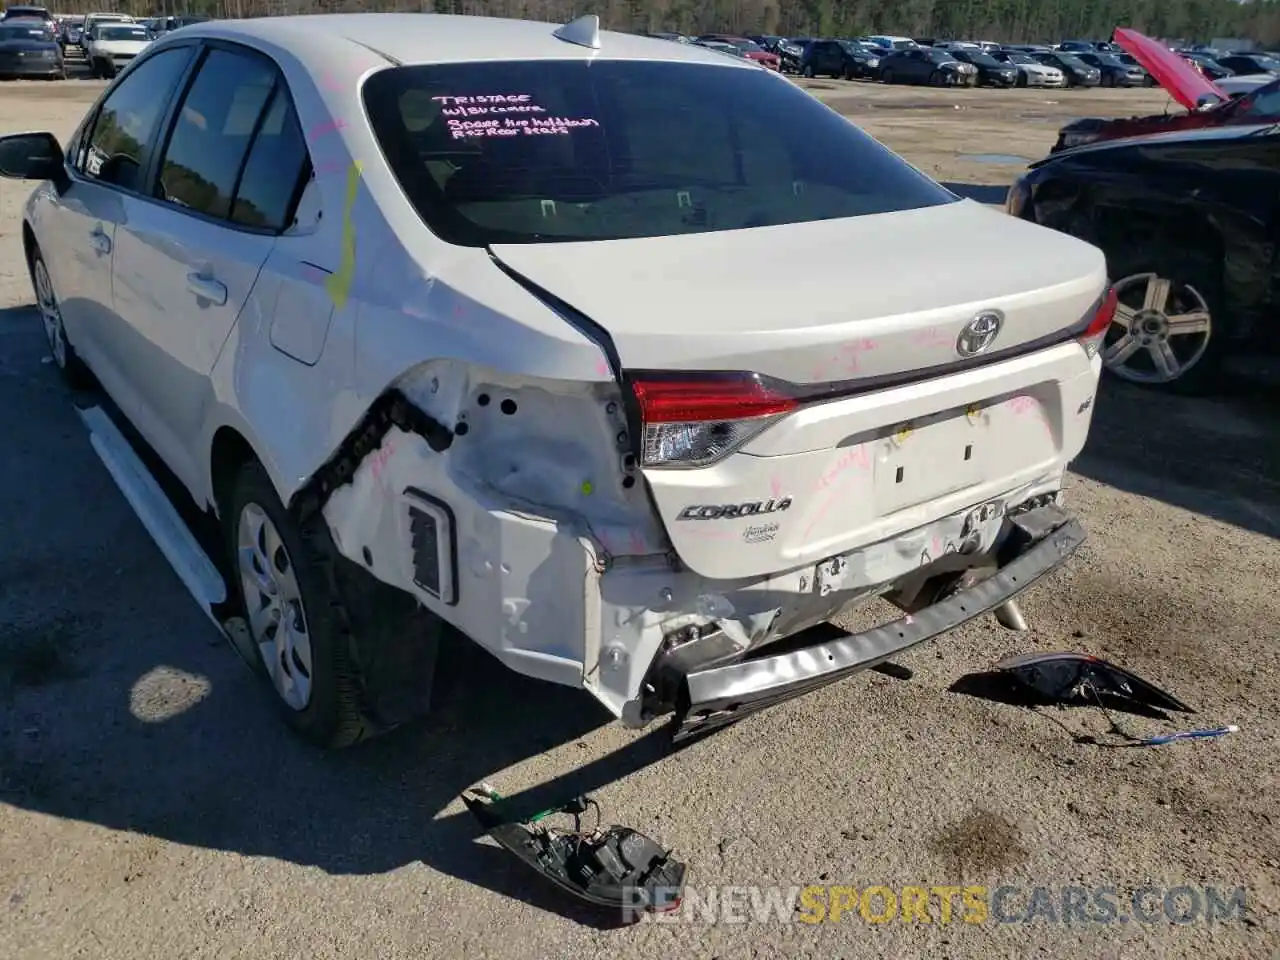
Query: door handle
{"x": 207, "y": 288}
{"x": 100, "y": 241}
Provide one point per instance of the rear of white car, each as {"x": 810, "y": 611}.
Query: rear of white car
{"x": 634, "y": 363}
{"x": 822, "y": 377}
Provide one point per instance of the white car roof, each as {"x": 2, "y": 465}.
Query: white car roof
{"x": 418, "y": 38}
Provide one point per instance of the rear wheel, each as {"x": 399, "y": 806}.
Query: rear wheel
{"x": 808, "y": 71}
{"x": 886, "y": 76}
{"x": 1164, "y": 333}
{"x": 348, "y": 657}
{"x": 1108, "y": 80}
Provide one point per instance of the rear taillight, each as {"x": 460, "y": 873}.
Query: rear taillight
{"x": 1101, "y": 322}
{"x": 692, "y": 420}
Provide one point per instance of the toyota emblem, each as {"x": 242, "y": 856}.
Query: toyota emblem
{"x": 979, "y": 333}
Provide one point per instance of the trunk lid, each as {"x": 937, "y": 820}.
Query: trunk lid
{"x": 822, "y": 302}
{"x": 1183, "y": 82}
{"x": 846, "y": 300}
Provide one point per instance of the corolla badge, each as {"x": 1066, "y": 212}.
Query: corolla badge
{"x": 979, "y": 333}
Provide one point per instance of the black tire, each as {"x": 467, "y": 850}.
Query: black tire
{"x": 339, "y": 602}
{"x": 936, "y": 79}
{"x": 808, "y": 71}
{"x": 1108, "y": 80}
{"x": 70, "y": 366}
{"x": 1022, "y": 79}
{"x": 886, "y": 76}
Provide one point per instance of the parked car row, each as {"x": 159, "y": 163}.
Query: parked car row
{"x": 923, "y": 60}
{"x": 37, "y": 43}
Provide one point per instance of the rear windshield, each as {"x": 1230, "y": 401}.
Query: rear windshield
{"x": 538, "y": 152}
{"x": 23, "y": 33}
{"x": 122, "y": 33}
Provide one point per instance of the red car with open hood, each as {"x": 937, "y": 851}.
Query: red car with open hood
{"x": 1207, "y": 104}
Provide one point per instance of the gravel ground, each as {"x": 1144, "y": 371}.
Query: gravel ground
{"x": 152, "y": 806}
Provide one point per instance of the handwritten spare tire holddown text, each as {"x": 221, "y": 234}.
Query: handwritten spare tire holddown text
{"x": 504, "y": 115}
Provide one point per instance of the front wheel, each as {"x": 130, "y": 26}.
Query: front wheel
{"x": 1022, "y": 79}
{"x": 886, "y": 76}
{"x": 65, "y": 358}
{"x": 808, "y": 71}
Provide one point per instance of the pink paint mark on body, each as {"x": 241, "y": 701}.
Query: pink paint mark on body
{"x": 857, "y": 458}
{"x": 931, "y": 337}
{"x": 602, "y": 368}
{"x": 775, "y": 487}
{"x": 331, "y": 167}
{"x": 852, "y": 463}
{"x": 329, "y": 126}
{"x": 379, "y": 459}
{"x": 1022, "y": 405}
{"x": 847, "y": 360}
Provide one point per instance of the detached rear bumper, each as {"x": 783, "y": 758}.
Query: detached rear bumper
{"x": 1040, "y": 541}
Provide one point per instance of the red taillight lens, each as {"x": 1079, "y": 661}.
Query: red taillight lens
{"x": 1101, "y": 322}
{"x": 692, "y": 420}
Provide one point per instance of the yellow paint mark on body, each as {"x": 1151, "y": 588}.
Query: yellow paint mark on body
{"x": 339, "y": 283}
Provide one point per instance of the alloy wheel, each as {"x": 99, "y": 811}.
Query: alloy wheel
{"x": 51, "y": 316}
{"x": 1160, "y": 331}
{"x": 273, "y": 603}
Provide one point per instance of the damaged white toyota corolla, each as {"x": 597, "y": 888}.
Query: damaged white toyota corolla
{"x": 633, "y": 363}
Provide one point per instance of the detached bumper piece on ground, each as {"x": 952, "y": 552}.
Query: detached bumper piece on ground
{"x": 1080, "y": 678}
{"x": 616, "y": 867}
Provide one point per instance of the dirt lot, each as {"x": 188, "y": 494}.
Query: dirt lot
{"x": 151, "y": 806}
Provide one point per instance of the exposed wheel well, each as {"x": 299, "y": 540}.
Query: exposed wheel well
{"x": 230, "y": 451}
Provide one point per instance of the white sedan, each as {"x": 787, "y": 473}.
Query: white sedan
{"x": 492, "y": 324}
{"x": 111, "y": 46}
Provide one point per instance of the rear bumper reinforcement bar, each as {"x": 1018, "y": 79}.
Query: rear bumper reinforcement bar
{"x": 1040, "y": 541}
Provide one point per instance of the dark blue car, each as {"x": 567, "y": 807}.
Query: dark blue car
{"x": 28, "y": 48}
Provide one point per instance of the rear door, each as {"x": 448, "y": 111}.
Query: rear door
{"x": 184, "y": 266}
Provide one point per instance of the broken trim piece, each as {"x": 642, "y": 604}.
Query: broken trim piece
{"x": 392, "y": 409}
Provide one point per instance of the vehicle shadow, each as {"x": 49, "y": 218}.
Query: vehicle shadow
{"x": 1218, "y": 455}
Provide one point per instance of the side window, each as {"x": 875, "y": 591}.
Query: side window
{"x": 212, "y": 130}
{"x": 277, "y": 162}
{"x": 116, "y": 152}
{"x": 1264, "y": 104}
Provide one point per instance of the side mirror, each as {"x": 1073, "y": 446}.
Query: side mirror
{"x": 31, "y": 156}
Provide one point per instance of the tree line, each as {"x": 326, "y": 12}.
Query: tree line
{"x": 1009, "y": 21}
